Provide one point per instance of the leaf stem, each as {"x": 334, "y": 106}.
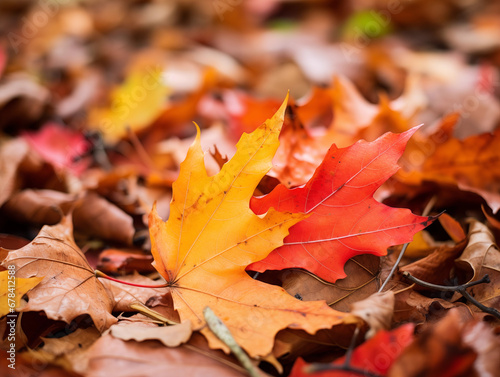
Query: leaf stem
{"x": 460, "y": 289}
{"x": 101, "y": 274}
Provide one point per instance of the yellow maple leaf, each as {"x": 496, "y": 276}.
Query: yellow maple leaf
{"x": 136, "y": 103}
{"x": 212, "y": 235}
{"x": 13, "y": 289}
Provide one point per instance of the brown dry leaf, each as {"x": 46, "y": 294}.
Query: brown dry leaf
{"x": 439, "y": 351}
{"x": 69, "y": 287}
{"x": 478, "y": 336}
{"x": 102, "y": 219}
{"x": 27, "y": 366}
{"x": 411, "y": 306}
{"x": 110, "y": 356}
{"x": 452, "y": 227}
{"x": 471, "y": 164}
{"x": 67, "y": 351}
{"x": 436, "y": 267}
{"x": 12, "y": 154}
{"x": 376, "y": 310}
{"x": 170, "y": 336}
{"x": 481, "y": 256}
{"x": 92, "y": 215}
{"x": 360, "y": 282}
{"x": 38, "y": 206}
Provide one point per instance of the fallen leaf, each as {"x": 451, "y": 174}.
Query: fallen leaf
{"x": 111, "y": 356}
{"x": 92, "y": 214}
{"x": 212, "y": 235}
{"x": 69, "y": 287}
{"x": 478, "y": 336}
{"x": 12, "y": 154}
{"x": 136, "y": 103}
{"x": 67, "y": 351}
{"x": 345, "y": 220}
{"x": 359, "y": 283}
{"x": 471, "y": 164}
{"x": 26, "y": 366}
{"x": 438, "y": 351}
{"x": 98, "y": 217}
{"x": 374, "y": 356}
{"x": 3, "y": 60}
{"x": 61, "y": 147}
{"x": 436, "y": 267}
{"x": 170, "y": 336}
{"x": 452, "y": 227}
{"x": 376, "y": 310}
{"x": 299, "y": 153}
{"x": 13, "y": 290}
{"x": 481, "y": 256}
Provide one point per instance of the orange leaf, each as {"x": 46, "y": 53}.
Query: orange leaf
{"x": 212, "y": 235}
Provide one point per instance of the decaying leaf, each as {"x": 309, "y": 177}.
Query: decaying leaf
{"x": 69, "y": 287}
{"x": 439, "y": 351}
{"x": 111, "y": 356}
{"x": 481, "y": 256}
{"x": 471, "y": 164}
{"x": 92, "y": 214}
{"x": 67, "y": 351}
{"x": 376, "y": 310}
{"x": 170, "y": 336}
{"x": 359, "y": 283}
{"x": 212, "y": 235}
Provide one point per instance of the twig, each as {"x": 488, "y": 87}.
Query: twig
{"x": 143, "y": 309}
{"x": 394, "y": 267}
{"x": 460, "y": 289}
{"x": 222, "y": 332}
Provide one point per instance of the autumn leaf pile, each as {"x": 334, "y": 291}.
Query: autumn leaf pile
{"x": 151, "y": 168}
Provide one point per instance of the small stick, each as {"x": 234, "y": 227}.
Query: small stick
{"x": 460, "y": 289}
{"x": 143, "y": 309}
{"x": 222, "y": 332}
{"x": 394, "y": 267}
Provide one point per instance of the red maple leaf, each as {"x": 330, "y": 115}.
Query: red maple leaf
{"x": 374, "y": 356}
{"x": 345, "y": 220}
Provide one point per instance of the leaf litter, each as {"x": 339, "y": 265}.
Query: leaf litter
{"x": 287, "y": 237}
